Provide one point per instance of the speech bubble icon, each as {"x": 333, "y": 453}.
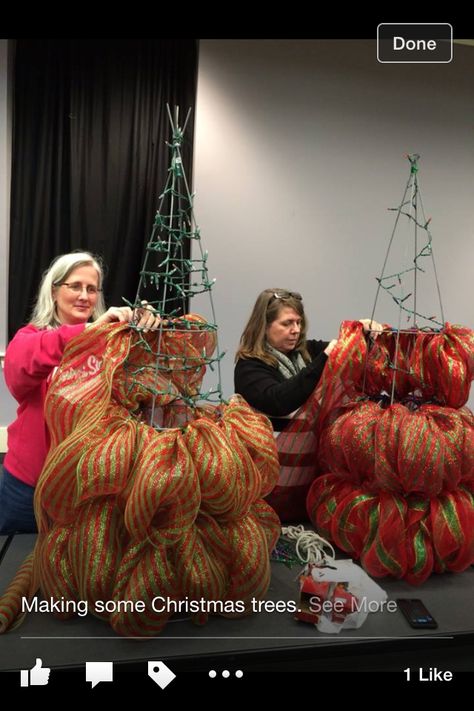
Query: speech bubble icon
{"x": 99, "y": 671}
{"x": 160, "y": 673}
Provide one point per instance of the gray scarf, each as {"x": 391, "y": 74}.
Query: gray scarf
{"x": 289, "y": 366}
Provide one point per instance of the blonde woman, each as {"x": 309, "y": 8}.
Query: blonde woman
{"x": 69, "y": 298}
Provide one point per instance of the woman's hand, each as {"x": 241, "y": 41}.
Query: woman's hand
{"x": 146, "y": 318}
{"x": 330, "y": 347}
{"x": 371, "y": 327}
{"x": 115, "y": 313}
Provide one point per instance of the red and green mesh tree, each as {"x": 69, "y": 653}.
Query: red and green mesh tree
{"x": 396, "y": 444}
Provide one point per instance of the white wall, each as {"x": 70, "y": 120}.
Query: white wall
{"x": 300, "y": 150}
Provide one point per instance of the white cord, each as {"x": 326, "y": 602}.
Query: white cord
{"x": 310, "y": 547}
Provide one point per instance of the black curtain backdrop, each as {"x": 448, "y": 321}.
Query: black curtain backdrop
{"x": 89, "y": 154}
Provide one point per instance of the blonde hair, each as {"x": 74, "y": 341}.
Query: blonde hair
{"x": 266, "y": 310}
{"x": 44, "y": 313}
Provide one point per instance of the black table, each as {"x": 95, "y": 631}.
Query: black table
{"x": 266, "y": 641}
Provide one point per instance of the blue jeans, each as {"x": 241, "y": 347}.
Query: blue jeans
{"x": 16, "y": 505}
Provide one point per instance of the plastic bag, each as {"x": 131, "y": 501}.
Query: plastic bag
{"x": 338, "y": 596}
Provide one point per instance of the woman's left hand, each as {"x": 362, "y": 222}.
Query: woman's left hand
{"x": 146, "y": 318}
{"x": 371, "y": 327}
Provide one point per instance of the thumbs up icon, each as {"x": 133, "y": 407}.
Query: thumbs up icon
{"x": 38, "y": 676}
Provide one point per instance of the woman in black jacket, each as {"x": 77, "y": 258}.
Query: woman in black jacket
{"x": 276, "y": 368}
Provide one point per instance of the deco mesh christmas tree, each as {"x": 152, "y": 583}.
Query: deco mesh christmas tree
{"x": 396, "y": 442}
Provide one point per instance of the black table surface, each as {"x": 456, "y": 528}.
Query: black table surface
{"x": 264, "y": 641}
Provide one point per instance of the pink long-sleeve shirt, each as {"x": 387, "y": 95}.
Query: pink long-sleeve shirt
{"x": 30, "y": 359}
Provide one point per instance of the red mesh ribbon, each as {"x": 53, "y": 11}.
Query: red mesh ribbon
{"x": 298, "y": 443}
{"x": 129, "y": 514}
{"x": 436, "y": 365}
{"x": 394, "y": 449}
{"x": 22, "y": 586}
{"x": 399, "y": 495}
{"x": 388, "y": 363}
{"x": 297, "y": 456}
{"x": 405, "y": 537}
{"x": 184, "y": 351}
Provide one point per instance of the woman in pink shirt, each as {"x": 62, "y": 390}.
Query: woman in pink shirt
{"x": 70, "y": 294}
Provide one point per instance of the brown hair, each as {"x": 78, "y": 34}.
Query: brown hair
{"x": 266, "y": 310}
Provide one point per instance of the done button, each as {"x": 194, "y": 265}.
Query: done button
{"x": 415, "y": 42}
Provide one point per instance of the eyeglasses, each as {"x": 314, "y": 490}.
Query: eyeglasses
{"x": 286, "y": 295}
{"x": 76, "y": 287}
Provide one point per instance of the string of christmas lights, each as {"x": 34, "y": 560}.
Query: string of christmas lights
{"x": 175, "y": 270}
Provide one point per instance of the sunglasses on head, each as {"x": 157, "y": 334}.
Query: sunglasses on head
{"x": 286, "y": 295}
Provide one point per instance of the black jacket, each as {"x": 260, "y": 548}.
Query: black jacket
{"x": 265, "y": 388}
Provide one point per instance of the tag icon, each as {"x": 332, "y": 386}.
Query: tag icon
{"x": 160, "y": 673}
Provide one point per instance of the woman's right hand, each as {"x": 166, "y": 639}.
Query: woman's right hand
{"x": 330, "y": 347}
{"x": 124, "y": 314}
